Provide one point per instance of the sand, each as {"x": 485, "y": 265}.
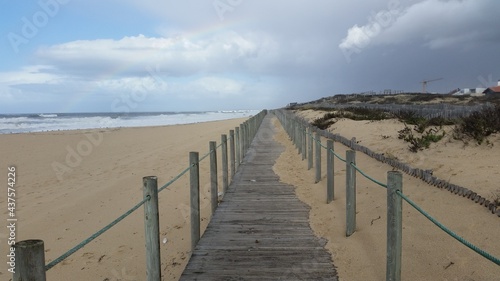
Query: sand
{"x": 99, "y": 178}
{"x": 428, "y": 252}
{"x": 106, "y": 180}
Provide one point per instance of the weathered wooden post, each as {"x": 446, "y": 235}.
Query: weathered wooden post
{"x": 194, "y": 183}
{"x": 394, "y": 225}
{"x": 304, "y": 141}
{"x": 318, "y": 158}
{"x": 249, "y": 129}
{"x": 350, "y": 192}
{"x": 214, "y": 187}
{"x": 299, "y": 136}
{"x": 247, "y": 136}
{"x": 152, "y": 228}
{"x": 232, "y": 155}
{"x": 296, "y": 134}
{"x": 238, "y": 150}
{"x": 329, "y": 168}
{"x": 242, "y": 142}
{"x": 252, "y": 127}
{"x": 225, "y": 172}
{"x": 29, "y": 260}
{"x": 310, "y": 149}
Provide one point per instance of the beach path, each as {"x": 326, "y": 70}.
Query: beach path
{"x": 260, "y": 231}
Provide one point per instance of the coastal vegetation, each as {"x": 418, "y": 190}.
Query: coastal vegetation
{"x": 476, "y": 126}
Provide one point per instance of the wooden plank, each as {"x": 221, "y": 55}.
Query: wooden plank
{"x": 260, "y": 231}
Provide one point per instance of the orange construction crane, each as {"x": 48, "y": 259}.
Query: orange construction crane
{"x": 424, "y": 84}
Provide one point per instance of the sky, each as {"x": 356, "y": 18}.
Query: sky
{"x": 193, "y": 55}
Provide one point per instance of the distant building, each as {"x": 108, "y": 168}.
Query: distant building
{"x": 493, "y": 90}
{"x": 469, "y": 91}
{"x": 292, "y": 104}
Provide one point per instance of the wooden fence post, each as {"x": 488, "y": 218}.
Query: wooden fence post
{"x": 29, "y": 260}
{"x": 152, "y": 228}
{"x": 394, "y": 225}
{"x": 237, "y": 148}
{"x": 304, "y": 141}
{"x": 245, "y": 130}
{"x": 242, "y": 142}
{"x": 350, "y": 193}
{"x": 249, "y": 130}
{"x": 225, "y": 177}
{"x": 232, "y": 155}
{"x": 297, "y": 135}
{"x": 194, "y": 184}
{"x": 310, "y": 149}
{"x": 318, "y": 158}
{"x": 214, "y": 188}
{"x": 329, "y": 168}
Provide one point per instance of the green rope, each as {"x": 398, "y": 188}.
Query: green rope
{"x": 320, "y": 144}
{"x": 335, "y": 154}
{"x": 174, "y": 179}
{"x": 449, "y": 232}
{"x": 94, "y": 236}
{"x": 368, "y": 177}
{"x": 205, "y": 156}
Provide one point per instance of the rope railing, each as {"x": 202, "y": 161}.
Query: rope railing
{"x": 94, "y": 236}
{"x": 448, "y": 231}
{"x": 206, "y": 155}
{"x": 289, "y": 122}
{"x": 170, "y": 182}
{"x": 338, "y": 156}
{"x": 248, "y": 131}
{"x": 107, "y": 227}
{"x": 120, "y": 218}
{"x": 330, "y": 150}
{"x": 368, "y": 177}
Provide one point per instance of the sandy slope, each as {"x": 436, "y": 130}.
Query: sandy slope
{"x": 476, "y": 167}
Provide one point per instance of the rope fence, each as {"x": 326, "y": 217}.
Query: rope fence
{"x": 94, "y": 236}
{"x": 300, "y": 131}
{"x": 30, "y": 254}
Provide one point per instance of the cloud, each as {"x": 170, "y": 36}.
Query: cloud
{"x": 431, "y": 23}
{"x": 29, "y": 74}
{"x": 261, "y": 54}
{"x": 177, "y": 56}
{"x": 178, "y": 67}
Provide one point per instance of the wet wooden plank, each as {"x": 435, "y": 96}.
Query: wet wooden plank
{"x": 261, "y": 230}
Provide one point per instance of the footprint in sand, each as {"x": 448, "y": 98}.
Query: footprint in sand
{"x": 121, "y": 249}
{"x": 89, "y": 256}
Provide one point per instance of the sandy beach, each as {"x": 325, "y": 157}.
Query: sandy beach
{"x": 70, "y": 184}
{"x": 428, "y": 252}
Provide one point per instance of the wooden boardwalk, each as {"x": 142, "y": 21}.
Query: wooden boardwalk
{"x": 260, "y": 231}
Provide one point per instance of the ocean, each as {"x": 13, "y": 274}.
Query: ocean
{"x": 25, "y": 123}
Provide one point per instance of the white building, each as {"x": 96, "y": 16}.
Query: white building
{"x": 470, "y": 91}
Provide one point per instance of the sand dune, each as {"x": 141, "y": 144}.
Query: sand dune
{"x": 428, "y": 253}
